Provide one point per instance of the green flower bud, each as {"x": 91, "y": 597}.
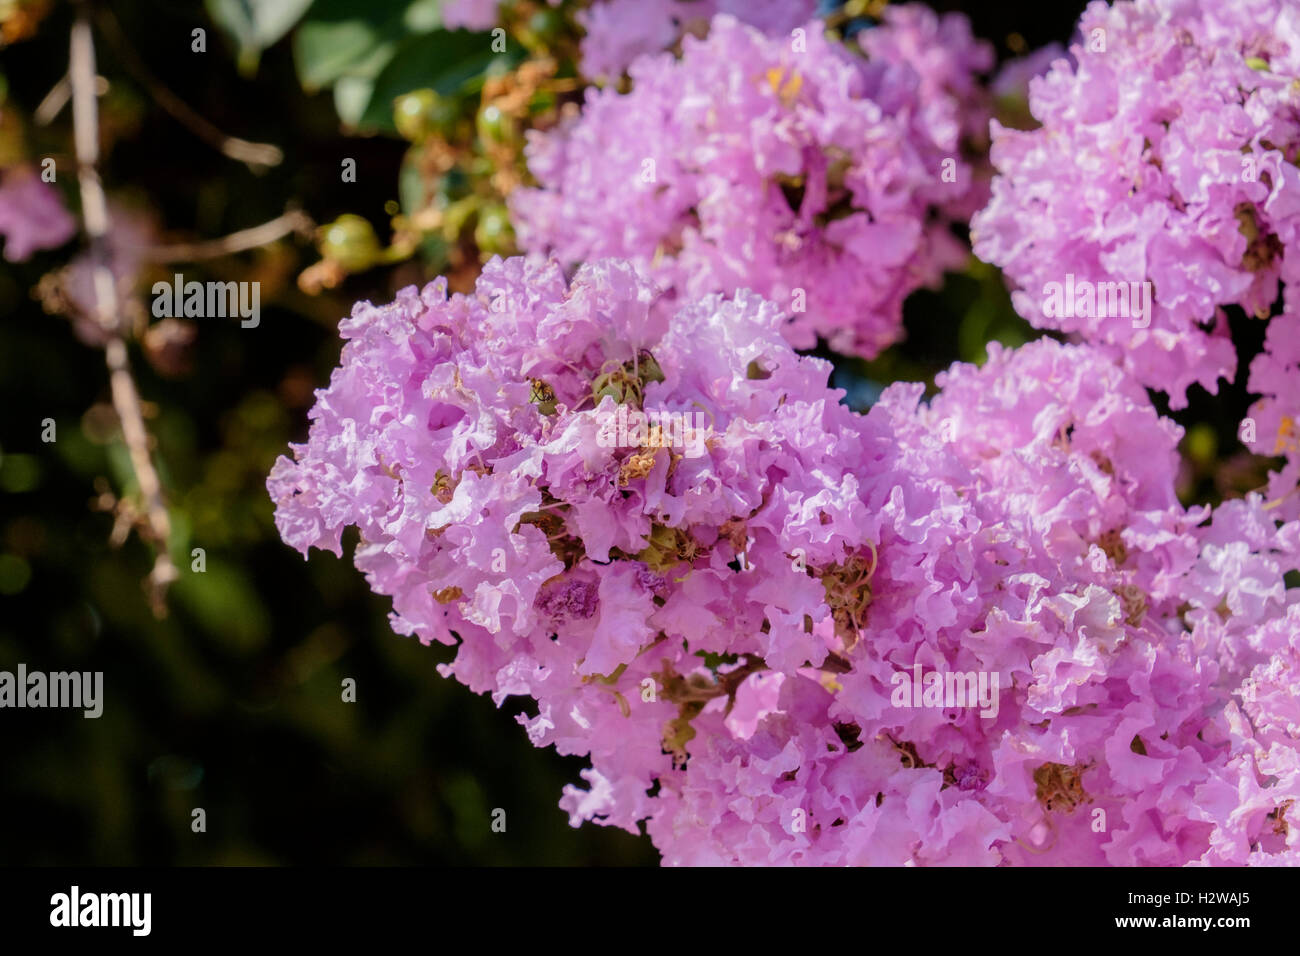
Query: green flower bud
{"x": 495, "y": 128}
{"x": 422, "y": 114}
{"x": 350, "y": 241}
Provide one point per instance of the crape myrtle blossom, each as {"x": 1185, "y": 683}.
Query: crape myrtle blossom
{"x": 32, "y": 215}
{"x": 821, "y": 178}
{"x": 721, "y": 634}
{"x": 1013, "y": 77}
{"x": 469, "y": 14}
{"x": 1123, "y": 624}
{"x": 1166, "y": 154}
{"x": 70, "y": 289}
{"x": 1254, "y": 630}
{"x": 1275, "y": 376}
{"x": 619, "y": 31}
{"x": 460, "y": 436}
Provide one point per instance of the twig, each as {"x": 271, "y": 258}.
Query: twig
{"x": 253, "y": 155}
{"x": 294, "y": 220}
{"x": 57, "y": 98}
{"x": 126, "y": 400}
{"x": 54, "y": 101}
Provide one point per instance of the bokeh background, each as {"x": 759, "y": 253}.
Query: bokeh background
{"x": 232, "y": 701}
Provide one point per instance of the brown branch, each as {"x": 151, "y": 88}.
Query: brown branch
{"x": 58, "y": 97}
{"x": 293, "y": 221}
{"x": 54, "y": 101}
{"x": 126, "y": 400}
{"x": 255, "y": 156}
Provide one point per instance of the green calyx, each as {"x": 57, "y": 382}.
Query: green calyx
{"x": 626, "y": 382}
{"x": 667, "y": 547}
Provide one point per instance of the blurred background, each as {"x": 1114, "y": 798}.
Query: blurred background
{"x": 231, "y": 702}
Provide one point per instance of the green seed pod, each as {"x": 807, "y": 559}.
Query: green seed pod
{"x": 423, "y": 113}
{"x": 411, "y": 114}
{"x": 351, "y": 242}
{"x": 495, "y": 128}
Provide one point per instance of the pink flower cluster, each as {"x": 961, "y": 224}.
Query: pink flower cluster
{"x": 978, "y": 628}
{"x": 1028, "y": 528}
{"x": 469, "y": 14}
{"x": 1167, "y": 154}
{"x": 822, "y": 179}
{"x": 1275, "y": 376}
{"x": 722, "y": 631}
{"x": 619, "y": 31}
{"x": 469, "y": 440}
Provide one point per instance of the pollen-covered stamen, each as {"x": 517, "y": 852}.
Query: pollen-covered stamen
{"x": 444, "y": 486}
{"x": 640, "y": 463}
{"x": 634, "y": 466}
{"x": 785, "y": 85}
{"x": 543, "y": 396}
{"x": 1060, "y": 787}
{"x": 1134, "y": 602}
{"x": 1102, "y": 462}
{"x": 1262, "y": 248}
{"x": 1288, "y": 436}
{"x": 1278, "y": 816}
{"x": 448, "y": 595}
{"x": 735, "y": 531}
{"x": 1112, "y": 542}
{"x": 848, "y": 594}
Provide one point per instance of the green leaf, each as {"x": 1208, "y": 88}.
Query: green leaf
{"x": 255, "y": 24}
{"x": 423, "y": 16}
{"x": 224, "y": 602}
{"x": 445, "y": 61}
{"x": 348, "y": 38}
{"x": 351, "y": 94}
